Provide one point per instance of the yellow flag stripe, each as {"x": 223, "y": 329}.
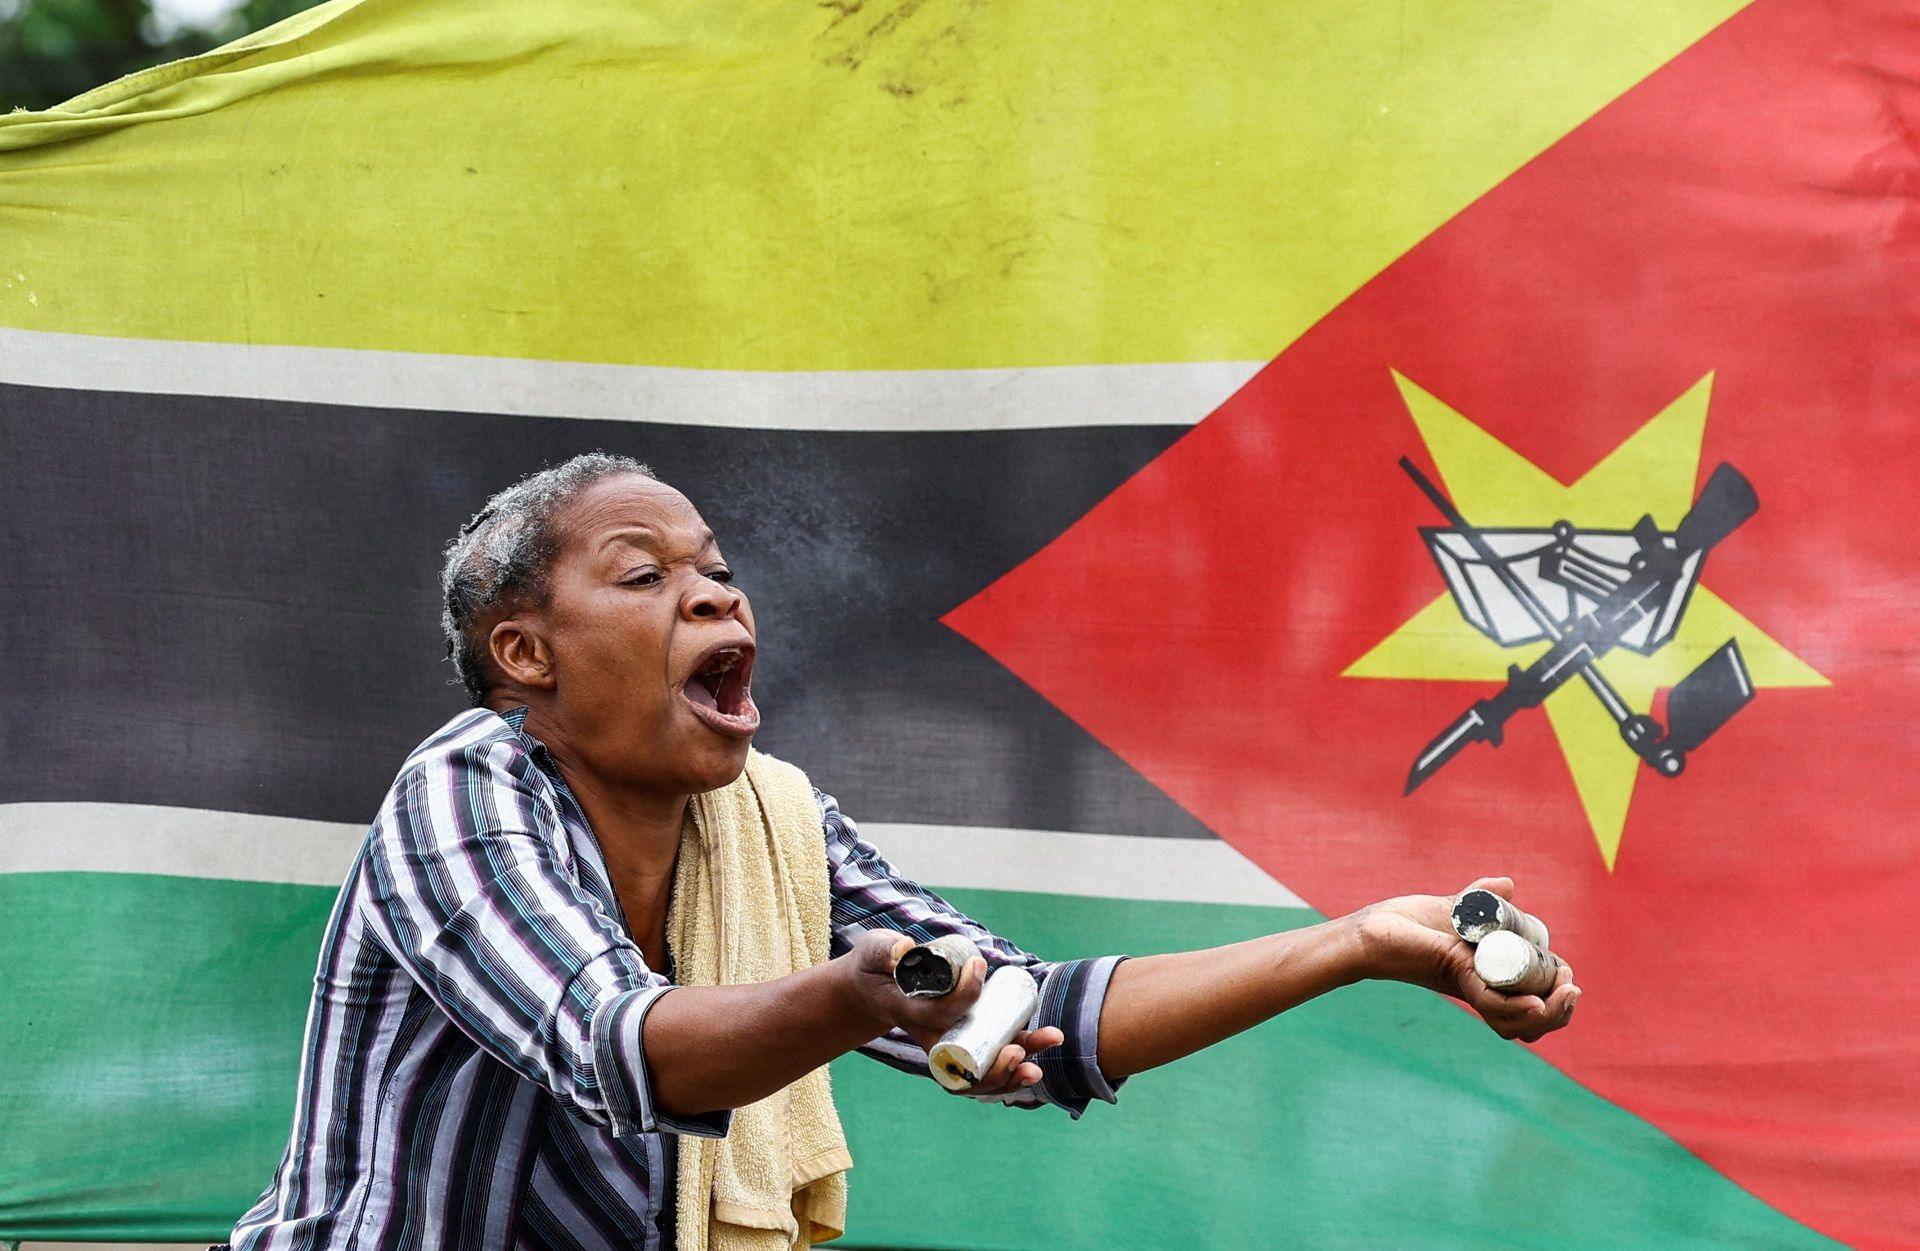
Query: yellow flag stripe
{"x": 926, "y": 184}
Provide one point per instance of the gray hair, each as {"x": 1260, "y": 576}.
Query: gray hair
{"x": 505, "y": 554}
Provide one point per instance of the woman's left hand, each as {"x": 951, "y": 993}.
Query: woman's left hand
{"x": 1411, "y": 939}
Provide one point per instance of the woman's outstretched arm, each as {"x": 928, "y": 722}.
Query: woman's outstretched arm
{"x": 1160, "y": 1008}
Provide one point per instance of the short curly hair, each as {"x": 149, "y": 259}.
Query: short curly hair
{"x": 505, "y": 554}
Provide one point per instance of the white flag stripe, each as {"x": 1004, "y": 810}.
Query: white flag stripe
{"x": 907, "y": 400}
{"x": 1055, "y": 862}
{"x": 184, "y": 842}
{"x": 198, "y": 842}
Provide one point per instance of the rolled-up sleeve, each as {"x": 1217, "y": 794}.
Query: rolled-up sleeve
{"x": 869, "y": 893}
{"x": 469, "y": 896}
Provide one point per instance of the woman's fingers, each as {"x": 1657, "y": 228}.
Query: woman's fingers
{"x": 1039, "y": 1040}
{"x": 1525, "y": 1017}
{"x": 1558, "y": 1011}
{"x": 1009, "y": 1072}
{"x": 877, "y": 951}
{"x": 1560, "y": 1003}
{"x": 1503, "y": 1007}
{"x": 1014, "y": 1069}
{"x": 1501, "y": 886}
{"x": 1494, "y": 1004}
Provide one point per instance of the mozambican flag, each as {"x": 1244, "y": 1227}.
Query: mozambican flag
{"x": 1048, "y": 373}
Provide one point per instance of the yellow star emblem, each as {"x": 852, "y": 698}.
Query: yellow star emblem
{"x": 1653, "y": 471}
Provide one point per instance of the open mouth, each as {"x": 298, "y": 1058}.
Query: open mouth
{"x": 720, "y": 690}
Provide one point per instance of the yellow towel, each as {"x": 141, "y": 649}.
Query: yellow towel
{"x": 750, "y": 903}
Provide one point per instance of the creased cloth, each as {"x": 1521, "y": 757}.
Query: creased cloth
{"x": 751, "y": 903}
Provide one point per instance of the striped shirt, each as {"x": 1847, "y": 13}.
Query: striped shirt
{"x": 473, "y": 1074}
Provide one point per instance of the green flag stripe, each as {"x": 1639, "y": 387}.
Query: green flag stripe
{"x": 1380, "y": 1116}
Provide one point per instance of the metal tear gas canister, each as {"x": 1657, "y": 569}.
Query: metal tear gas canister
{"x": 965, "y": 1053}
{"x": 1478, "y": 913}
{"x": 933, "y": 969}
{"x": 1508, "y": 962}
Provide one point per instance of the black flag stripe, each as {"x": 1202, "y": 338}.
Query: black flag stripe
{"x": 232, "y": 603}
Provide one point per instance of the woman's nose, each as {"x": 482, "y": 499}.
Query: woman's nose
{"x": 708, "y": 598}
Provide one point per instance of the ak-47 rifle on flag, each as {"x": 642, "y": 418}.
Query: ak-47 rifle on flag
{"x": 1641, "y": 600}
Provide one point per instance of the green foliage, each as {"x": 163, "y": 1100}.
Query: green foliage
{"x": 52, "y": 50}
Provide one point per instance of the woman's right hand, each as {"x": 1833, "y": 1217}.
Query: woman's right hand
{"x": 879, "y": 1000}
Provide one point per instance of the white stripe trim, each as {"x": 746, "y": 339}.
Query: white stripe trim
{"x": 1055, "y": 862}
{"x": 196, "y": 842}
{"x": 184, "y": 842}
{"x": 850, "y": 400}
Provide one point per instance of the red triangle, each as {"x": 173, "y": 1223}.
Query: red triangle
{"x": 1752, "y": 210}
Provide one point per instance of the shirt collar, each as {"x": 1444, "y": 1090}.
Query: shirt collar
{"x": 517, "y": 719}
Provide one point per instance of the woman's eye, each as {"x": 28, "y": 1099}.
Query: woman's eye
{"x": 646, "y": 577}
{"x": 721, "y": 575}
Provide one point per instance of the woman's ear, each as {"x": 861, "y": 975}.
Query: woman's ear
{"x": 522, "y": 654}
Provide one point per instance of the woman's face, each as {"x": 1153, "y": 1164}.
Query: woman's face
{"x": 650, "y": 647}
